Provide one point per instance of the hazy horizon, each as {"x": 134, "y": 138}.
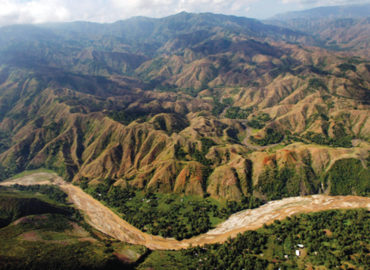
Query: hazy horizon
{"x": 107, "y": 11}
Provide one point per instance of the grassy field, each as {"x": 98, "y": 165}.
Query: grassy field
{"x": 40, "y": 233}
{"x": 29, "y": 172}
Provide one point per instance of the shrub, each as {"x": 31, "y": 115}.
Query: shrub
{"x": 272, "y": 136}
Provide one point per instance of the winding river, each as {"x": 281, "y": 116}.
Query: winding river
{"x": 105, "y": 220}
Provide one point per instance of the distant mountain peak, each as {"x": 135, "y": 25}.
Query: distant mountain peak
{"x": 344, "y": 11}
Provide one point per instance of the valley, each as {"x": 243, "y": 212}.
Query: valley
{"x": 106, "y": 221}
{"x": 191, "y": 141}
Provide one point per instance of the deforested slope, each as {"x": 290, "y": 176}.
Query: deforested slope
{"x": 239, "y": 110}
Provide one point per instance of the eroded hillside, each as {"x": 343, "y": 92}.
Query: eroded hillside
{"x": 229, "y": 113}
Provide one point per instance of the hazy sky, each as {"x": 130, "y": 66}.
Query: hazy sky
{"x": 38, "y": 11}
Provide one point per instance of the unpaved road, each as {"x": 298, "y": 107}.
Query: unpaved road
{"x": 104, "y": 220}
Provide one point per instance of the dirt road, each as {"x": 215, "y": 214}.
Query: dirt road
{"x": 104, "y": 220}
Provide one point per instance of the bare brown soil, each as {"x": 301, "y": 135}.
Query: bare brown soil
{"x": 106, "y": 221}
{"x": 25, "y": 220}
{"x": 30, "y": 236}
{"x": 40, "y": 178}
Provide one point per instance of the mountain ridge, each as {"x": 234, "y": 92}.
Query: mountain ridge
{"x": 339, "y": 28}
{"x": 339, "y": 11}
{"x": 228, "y": 112}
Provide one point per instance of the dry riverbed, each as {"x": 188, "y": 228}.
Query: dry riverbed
{"x": 106, "y": 221}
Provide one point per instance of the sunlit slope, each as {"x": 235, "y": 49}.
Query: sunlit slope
{"x": 230, "y": 113}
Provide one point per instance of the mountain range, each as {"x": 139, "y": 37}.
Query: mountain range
{"x": 341, "y": 28}
{"x": 199, "y": 104}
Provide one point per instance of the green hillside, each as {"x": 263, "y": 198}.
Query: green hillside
{"x": 37, "y": 232}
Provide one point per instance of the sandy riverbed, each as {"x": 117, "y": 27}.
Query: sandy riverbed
{"x": 106, "y": 221}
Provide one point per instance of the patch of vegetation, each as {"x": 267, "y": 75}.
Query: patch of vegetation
{"x": 206, "y": 144}
{"x": 4, "y": 172}
{"x": 347, "y": 66}
{"x": 348, "y": 176}
{"x": 330, "y": 239}
{"x": 345, "y": 141}
{"x": 273, "y": 182}
{"x": 192, "y": 91}
{"x": 218, "y": 107}
{"x": 167, "y": 88}
{"x": 54, "y": 244}
{"x": 81, "y": 104}
{"x": 283, "y": 69}
{"x": 237, "y": 113}
{"x": 340, "y": 139}
{"x": 272, "y": 136}
{"x": 285, "y": 182}
{"x": 170, "y": 123}
{"x": 68, "y": 253}
{"x": 228, "y": 101}
{"x": 179, "y": 152}
{"x": 40, "y": 255}
{"x": 166, "y": 215}
{"x": 316, "y": 84}
{"x": 12, "y": 208}
{"x": 318, "y": 70}
{"x": 126, "y": 117}
{"x": 155, "y": 65}
{"x": 5, "y": 141}
{"x": 169, "y": 215}
{"x": 10, "y": 170}
{"x": 52, "y": 192}
{"x": 200, "y": 156}
{"x": 235, "y": 91}
{"x": 259, "y": 121}
{"x": 15, "y": 204}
